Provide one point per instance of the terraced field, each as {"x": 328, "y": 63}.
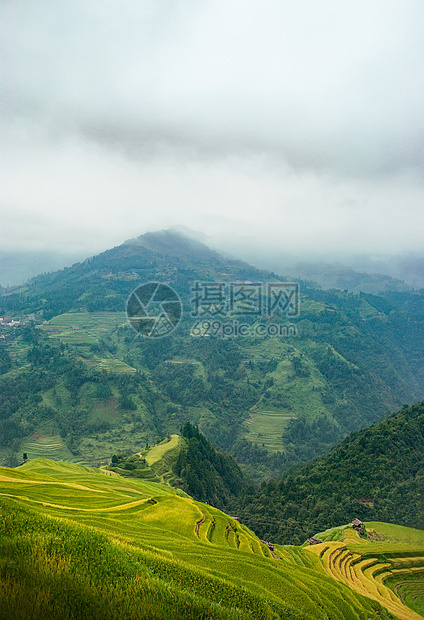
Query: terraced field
{"x": 81, "y": 329}
{"x": 39, "y": 445}
{"x": 158, "y": 452}
{"x": 154, "y": 464}
{"x": 109, "y": 542}
{"x": 291, "y": 394}
{"x": 266, "y": 428}
{"x": 388, "y": 566}
{"x": 77, "y": 327}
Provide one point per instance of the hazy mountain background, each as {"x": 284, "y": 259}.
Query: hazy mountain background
{"x": 18, "y": 267}
{"x": 361, "y": 272}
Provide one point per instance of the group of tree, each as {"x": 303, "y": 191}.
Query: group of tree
{"x": 207, "y": 473}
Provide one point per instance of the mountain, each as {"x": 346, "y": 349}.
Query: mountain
{"x": 376, "y": 474}
{"x": 103, "y": 282}
{"x": 408, "y": 266}
{"x": 79, "y": 383}
{"x": 176, "y": 244}
{"x": 77, "y": 543}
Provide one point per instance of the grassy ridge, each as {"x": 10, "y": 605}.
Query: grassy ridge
{"x": 154, "y": 464}
{"x": 158, "y": 451}
{"x": 93, "y": 541}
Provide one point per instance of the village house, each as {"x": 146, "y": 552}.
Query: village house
{"x": 359, "y": 526}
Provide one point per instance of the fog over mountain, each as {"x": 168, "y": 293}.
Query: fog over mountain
{"x": 18, "y": 267}
{"x": 297, "y": 126}
{"x": 336, "y": 270}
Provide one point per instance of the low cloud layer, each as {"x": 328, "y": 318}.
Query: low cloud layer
{"x": 277, "y": 122}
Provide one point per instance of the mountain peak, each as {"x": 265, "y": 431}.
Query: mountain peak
{"x": 173, "y": 242}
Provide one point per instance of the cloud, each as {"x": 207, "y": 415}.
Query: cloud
{"x": 214, "y": 114}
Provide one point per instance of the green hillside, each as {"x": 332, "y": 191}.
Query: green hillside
{"x": 155, "y": 463}
{"x": 77, "y": 543}
{"x": 85, "y": 386}
{"x": 376, "y": 474}
{"x": 189, "y": 462}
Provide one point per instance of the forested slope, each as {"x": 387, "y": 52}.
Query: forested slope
{"x": 376, "y": 474}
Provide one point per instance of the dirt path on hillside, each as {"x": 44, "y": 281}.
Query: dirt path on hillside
{"x": 199, "y": 523}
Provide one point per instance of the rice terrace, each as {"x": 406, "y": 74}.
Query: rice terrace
{"x": 80, "y": 542}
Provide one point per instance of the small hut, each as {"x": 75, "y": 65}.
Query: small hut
{"x": 359, "y": 526}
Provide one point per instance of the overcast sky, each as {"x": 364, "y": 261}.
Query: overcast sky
{"x": 294, "y": 124}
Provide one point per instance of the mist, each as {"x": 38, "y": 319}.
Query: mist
{"x": 275, "y": 127}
